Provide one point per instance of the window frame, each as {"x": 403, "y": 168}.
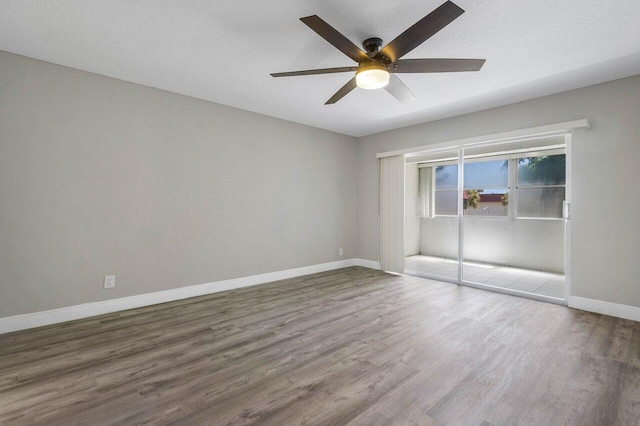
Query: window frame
{"x": 512, "y": 182}
{"x": 538, "y": 153}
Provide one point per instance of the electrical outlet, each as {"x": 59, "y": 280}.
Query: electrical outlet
{"x": 109, "y": 281}
{"x": 341, "y": 251}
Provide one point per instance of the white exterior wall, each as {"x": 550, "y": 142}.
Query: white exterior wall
{"x": 523, "y": 243}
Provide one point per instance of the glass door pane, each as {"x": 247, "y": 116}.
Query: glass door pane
{"x": 512, "y": 220}
{"x": 485, "y": 218}
{"x": 437, "y": 254}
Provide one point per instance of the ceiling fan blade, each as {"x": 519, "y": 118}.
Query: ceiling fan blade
{"x": 436, "y": 65}
{"x": 399, "y": 90}
{"x": 344, "y": 90}
{"x": 312, "y": 72}
{"x": 419, "y": 32}
{"x": 334, "y": 37}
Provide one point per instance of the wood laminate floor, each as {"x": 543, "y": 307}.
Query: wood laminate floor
{"x": 352, "y": 346}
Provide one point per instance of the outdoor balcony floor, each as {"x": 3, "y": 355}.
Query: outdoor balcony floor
{"x": 529, "y": 281}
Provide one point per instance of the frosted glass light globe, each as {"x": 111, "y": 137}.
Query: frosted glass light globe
{"x": 372, "y": 77}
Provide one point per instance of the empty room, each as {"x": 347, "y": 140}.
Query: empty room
{"x": 319, "y": 213}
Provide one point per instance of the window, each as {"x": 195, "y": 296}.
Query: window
{"x": 486, "y": 188}
{"x": 446, "y": 190}
{"x": 541, "y": 186}
{"x": 518, "y": 185}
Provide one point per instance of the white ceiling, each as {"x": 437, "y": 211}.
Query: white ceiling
{"x": 224, "y": 51}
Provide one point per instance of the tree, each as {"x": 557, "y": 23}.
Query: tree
{"x": 544, "y": 169}
{"x": 473, "y": 198}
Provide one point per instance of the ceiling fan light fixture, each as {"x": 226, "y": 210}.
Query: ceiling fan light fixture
{"x": 376, "y": 63}
{"x": 372, "y": 76}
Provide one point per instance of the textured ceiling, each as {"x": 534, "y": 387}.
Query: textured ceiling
{"x": 224, "y": 51}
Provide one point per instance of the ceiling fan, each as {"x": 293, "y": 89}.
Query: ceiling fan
{"x": 377, "y": 65}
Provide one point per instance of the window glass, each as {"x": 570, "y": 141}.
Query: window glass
{"x": 540, "y": 202}
{"x": 479, "y": 202}
{"x": 486, "y": 174}
{"x": 486, "y": 186}
{"x": 446, "y": 202}
{"x": 447, "y": 177}
{"x": 541, "y": 189}
{"x": 542, "y": 170}
{"x": 446, "y": 190}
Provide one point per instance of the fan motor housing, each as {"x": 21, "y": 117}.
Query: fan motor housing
{"x": 372, "y": 45}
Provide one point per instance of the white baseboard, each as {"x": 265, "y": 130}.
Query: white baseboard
{"x": 368, "y": 263}
{"x": 606, "y": 308}
{"x": 86, "y": 310}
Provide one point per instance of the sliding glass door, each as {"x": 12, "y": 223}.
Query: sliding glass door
{"x": 505, "y": 202}
{"x": 486, "y": 222}
{"x": 438, "y": 197}
{"x": 513, "y": 229}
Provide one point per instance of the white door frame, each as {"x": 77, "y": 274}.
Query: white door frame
{"x": 473, "y": 142}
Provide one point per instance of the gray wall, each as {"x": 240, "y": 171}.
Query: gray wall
{"x": 605, "y": 244}
{"x": 100, "y": 176}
